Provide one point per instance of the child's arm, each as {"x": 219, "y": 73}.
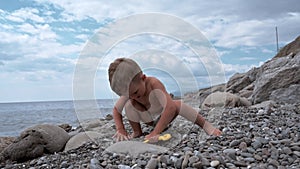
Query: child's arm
{"x": 169, "y": 112}
{"x": 121, "y": 133}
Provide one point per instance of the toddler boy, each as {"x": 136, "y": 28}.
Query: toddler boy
{"x": 145, "y": 98}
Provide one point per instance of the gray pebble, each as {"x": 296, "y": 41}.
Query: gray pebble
{"x": 152, "y": 163}
{"x": 273, "y": 162}
{"x": 214, "y": 163}
{"x": 258, "y": 157}
{"x": 64, "y": 164}
{"x": 246, "y": 155}
{"x": 205, "y": 162}
{"x": 121, "y": 166}
{"x": 256, "y": 144}
{"x": 197, "y": 165}
{"x": 295, "y": 148}
{"x": 287, "y": 150}
{"x": 240, "y": 164}
{"x": 193, "y": 159}
{"x": 297, "y": 153}
{"x": 230, "y": 166}
{"x": 164, "y": 159}
{"x": 243, "y": 145}
{"x": 249, "y": 159}
{"x": 178, "y": 162}
{"x": 234, "y": 143}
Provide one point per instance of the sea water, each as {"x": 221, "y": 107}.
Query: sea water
{"x": 15, "y": 117}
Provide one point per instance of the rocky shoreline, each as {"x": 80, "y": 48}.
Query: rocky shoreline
{"x": 252, "y": 138}
{"x": 257, "y": 111}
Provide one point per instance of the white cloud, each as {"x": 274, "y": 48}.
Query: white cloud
{"x": 267, "y": 51}
{"x": 230, "y": 69}
{"x": 24, "y": 14}
{"x": 28, "y": 28}
{"x": 14, "y": 18}
{"x": 231, "y": 23}
{"x": 247, "y": 58}
{"x": 7, "y": 26}
{"x": 41, "y": 40}
{"x": 83, "y": 37}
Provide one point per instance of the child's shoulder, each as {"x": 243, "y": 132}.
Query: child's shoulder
{"x": 154, "y": 81}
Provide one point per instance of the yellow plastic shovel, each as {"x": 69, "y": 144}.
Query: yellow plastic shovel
{"x": 164, "y": 137}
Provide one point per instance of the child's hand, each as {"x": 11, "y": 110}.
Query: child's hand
{"x": 152, "y": 137}
{"x": 211, "y": 130}
{"x": 121, "y": 136}
{"x": 216, "y": 132}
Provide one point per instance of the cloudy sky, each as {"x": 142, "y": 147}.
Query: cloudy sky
{"x": 41, "y": 41}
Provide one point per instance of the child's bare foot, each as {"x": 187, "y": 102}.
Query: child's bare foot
{"x": 135, "y": 135}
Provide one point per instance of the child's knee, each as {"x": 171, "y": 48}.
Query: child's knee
{"x": 131, "y": 113}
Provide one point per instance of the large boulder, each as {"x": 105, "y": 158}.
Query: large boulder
{"x": 274, "y": 80}
{"x": 195, "y": 99}
{"x": 278, "y": 73}
{"x": 224, "y": 99}
{"x": 35, "y": 141}
{"x": 289, "y": 95}
{"x": 241, "y": 81}
{"x": 5, "y": 141}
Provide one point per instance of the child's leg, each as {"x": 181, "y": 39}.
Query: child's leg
{"x": 136, "y": 113}
{"x": 192, "y": 115}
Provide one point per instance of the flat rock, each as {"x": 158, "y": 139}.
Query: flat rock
{"x": 134, "y": 148}
{"x": 80, "y": 139}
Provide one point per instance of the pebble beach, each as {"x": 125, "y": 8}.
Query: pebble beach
{"x": 266, "y": 137}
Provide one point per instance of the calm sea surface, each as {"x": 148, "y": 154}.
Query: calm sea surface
{"x": 15, "y": 117}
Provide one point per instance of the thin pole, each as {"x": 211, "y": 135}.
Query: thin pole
{"x": 277, "y": 38}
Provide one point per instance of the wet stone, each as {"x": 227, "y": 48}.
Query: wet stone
{"x": 234, "y": 143}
